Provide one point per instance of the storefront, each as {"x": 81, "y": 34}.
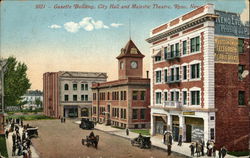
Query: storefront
{"x": 175, "y": 127}
{"x": 85, "y": 112}
{"x": 70, "y": 111}
{"x": 160, "y": 124}
{"x": 194, "y": 129}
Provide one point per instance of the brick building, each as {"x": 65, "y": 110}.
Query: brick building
{"x": 200, "y": 82}
{"x": 124, "y": 102}
{"x": 68, "y": 93}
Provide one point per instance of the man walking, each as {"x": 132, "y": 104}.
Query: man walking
{"x": 169, "y": 149}
{"x": 180, "y": 140}
{"x": 223, "y": 151}
{"x": 127, "y": 131}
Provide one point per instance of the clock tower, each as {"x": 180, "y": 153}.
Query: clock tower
{"x": 130, "y": 61}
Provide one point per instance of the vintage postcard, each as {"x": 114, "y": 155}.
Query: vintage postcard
{"x": 124, "y": 78}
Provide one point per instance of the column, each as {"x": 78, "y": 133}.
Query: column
{"x": 152, "y": 131}
{"x": 182, "y": 127}
{"x": 169, "y": 126}
{"x": 206, "y": 129}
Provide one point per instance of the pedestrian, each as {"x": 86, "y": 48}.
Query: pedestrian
{"x": 127, "y": 131}
{"x": 198, "y": 149}
{"x": 21, "y": 123}
{"x": 13, "y": 138}
{"x": 202, "y": 147}
{"x": 214, "y": 150}
{"x": 169, "y": 149}
{"x": 223, "y": 151}
{"x": 64, "y": 120}
{"x": 164, "y": 138}
{"x": 170, "y": 139}
{"x": 192, "y": 149}
{"x": 14, "y": 149}
{"x": 7, "y": 133}
{"x": 180, "y": 140}
{"x": 207, "y": 144}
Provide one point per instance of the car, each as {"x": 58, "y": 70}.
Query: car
{"x": 32, "y": 132}
{"x": 87, "y": 124}
{"x": 142, "y": 141}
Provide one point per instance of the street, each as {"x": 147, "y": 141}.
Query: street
{"x": 63, "y": 140}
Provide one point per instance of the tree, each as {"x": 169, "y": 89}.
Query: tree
{"x": 16, "y": 82}
{"x": 38, "y": 102}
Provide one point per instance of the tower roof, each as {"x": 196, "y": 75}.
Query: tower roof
{"x": 130, "y": 50}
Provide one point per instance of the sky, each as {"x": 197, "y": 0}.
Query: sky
{"x": 51, "y": 39}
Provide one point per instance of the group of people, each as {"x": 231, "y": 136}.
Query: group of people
{"x": 199, "y": 146}
{"x": 63, "y": 120}
{"x": 20, "y": 141}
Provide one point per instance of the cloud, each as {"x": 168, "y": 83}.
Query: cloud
{"x": 245, "y": 13}
{"x": 54, "y": 26}
{"x": 72, "y": 27}
{"x": 116, "y": 25}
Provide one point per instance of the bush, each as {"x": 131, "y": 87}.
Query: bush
{"x": 238, "y": 153}
{"x": 3, "y": 148}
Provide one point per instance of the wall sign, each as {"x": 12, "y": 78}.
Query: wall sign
{"x": 189, "y": 113}
{"x": 226, "y": 50}
{"x": 230, "y": 24}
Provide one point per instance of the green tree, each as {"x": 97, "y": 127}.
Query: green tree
{"x": 38, "y": 102}
{"x": 16, "y": 82}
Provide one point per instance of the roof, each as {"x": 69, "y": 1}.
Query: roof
{"x": 83, "y": 74}
{"x": 34, "y": 93}
{"x": 130, "y": 50}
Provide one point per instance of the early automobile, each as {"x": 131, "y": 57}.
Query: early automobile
{"x": 91, "y": 140}
{"x": 142, "y": 142}
{"x": 32, "y": 132}
{"x": 86, "y": 124}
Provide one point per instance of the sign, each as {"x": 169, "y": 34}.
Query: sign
{"x": 226, "y": 50}
{"x": 188, "y": 113}
{"x": 230, "y": 24}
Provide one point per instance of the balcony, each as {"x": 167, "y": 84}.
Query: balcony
{"x": 173, "y": 79}
{"x": 173, "y": 104}
{"x": 172, "y": 55}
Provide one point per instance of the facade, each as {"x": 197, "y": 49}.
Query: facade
{"x": 200, "y": 81}
{"x": 124, "y": 102}
{"x": 68, "y": 93}
{"x": 31, "y": 98}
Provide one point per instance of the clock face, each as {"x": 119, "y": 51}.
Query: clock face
{"x": 133, "y": 64}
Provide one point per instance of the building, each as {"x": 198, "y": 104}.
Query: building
{"x": 68, "y": 93}
{"x": 200, "y": 81}
{"x": 124, "y": 102}
{"x": 33, "y": 99}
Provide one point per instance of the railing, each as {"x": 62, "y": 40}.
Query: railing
{"x": 173, "y": 79}
{"x": 172, "y": 55}
{"x": 174, "y": 104}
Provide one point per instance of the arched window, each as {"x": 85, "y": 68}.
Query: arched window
{"x": 66, "y": 87}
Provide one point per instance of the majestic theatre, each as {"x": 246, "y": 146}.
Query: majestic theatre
{"x": 200, "y": 78}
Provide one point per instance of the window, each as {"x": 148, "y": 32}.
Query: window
{"x": 172, "y": 96}
{"x": 108, "y": 96}
{"x": 177, "y": 96}
{"x": 86, "y": 97}
{"x": 121, "y": 65}
{"x": 212, "y": 133}
{"x": 82, "y": 97}
{"x": 184, "y": 72}
{"x": 172, "y": 74}
{"x": 157, "y": 58}
{"x": 143, "y": 114}
{"x": 74, "y": 97}
{"x": 165, "y": 96}
{"x": 211, "y": 117}
{"x": 195, "y": 97}
{"x": 135, "y": 114}
{"x": 184, "y": 47}
{"x": 195, "y": 71}
{"x": 135, "y": 94}
{"x": 177, "y": 73}
{"x": 94, "y": 96}
{"x": 66, "y": 87}
{"x": 121, "y": 93}
{"x": 195, "y": 44}
{"x": 158, "y": 76}
{"x": 143, "y": 95}
{"x": 123, "y": 113}
{"x": 184, "y": 96}
{"x": 74, "y": 86}
{"x": 177, "y": 49}
{"x": 165, "y": 52}
{"x": 86, "y": 87}
{"x": 158, "y": 97}
{"x": 240, "y": 71}
{"x": 125, "y": 95}
{"x": 66, "y": 97}
{"x": 82, "y": 87}
{"x": 172, "y": 51}
{"x": 241, "y": 45}
{"x": 165, "y": 75}
{"x": 241, "y": 98}
{"x": 94, "y": 110}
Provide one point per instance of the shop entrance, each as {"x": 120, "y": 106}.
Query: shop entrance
{"x": 175, "y": 127}
{"x": 188, "y": 133}
{"x": 194, "y": 129}
{"x": 70, "y": 111}
{"x": 160, "y": 125}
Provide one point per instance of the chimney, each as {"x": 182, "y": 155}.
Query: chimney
{"x": 147, "y": 74}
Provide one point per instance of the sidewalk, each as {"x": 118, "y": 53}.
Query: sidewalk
{"x": 9, "y": 144}
{"x": 183, "y": 150}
